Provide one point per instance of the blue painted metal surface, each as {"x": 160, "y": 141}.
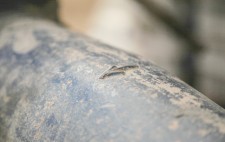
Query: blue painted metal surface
{"x": 50, "y": 90}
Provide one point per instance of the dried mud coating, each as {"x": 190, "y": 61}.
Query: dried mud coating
{"x": 50, "y": 91}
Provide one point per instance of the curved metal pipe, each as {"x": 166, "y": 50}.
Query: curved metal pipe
{"x": 51, "y": 90}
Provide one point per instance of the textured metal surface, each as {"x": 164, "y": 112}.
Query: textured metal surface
{"x": 50, "y": 90}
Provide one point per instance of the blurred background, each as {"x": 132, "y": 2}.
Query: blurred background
{"x": 186, "y": 37}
